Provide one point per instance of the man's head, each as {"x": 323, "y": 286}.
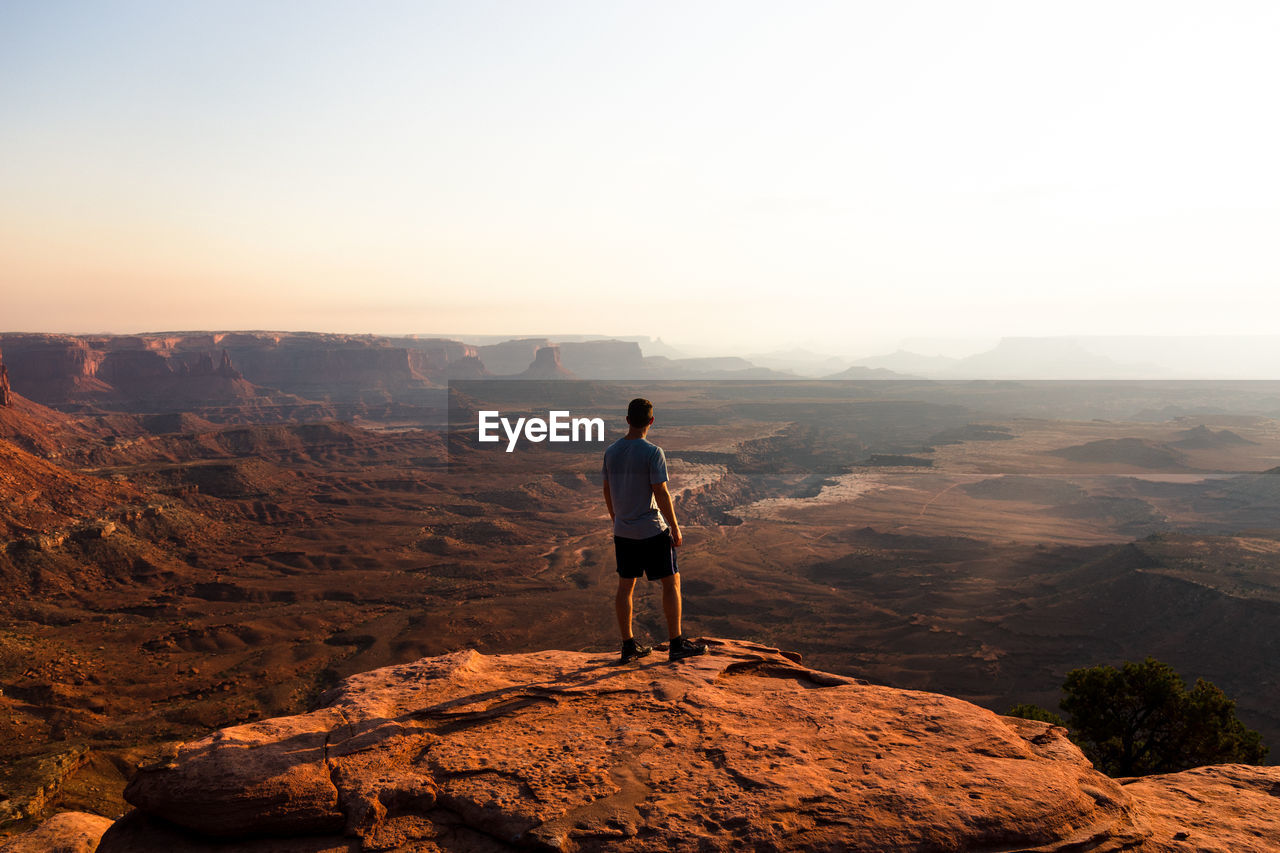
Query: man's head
{"x": 639, "y": 412}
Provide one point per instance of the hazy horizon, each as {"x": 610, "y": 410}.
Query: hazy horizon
{"x": 1167, "y": 357}
{"x": 729, "y": 177}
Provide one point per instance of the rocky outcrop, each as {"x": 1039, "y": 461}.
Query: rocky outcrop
{"x": 273, "y": 374}
{"x": 41, "y": 783}
{"x": 66, "y": 832}
{"x": 225, "y": 369}
{"x": 743, "y": 748}
{"x": 467, "y": 368}
{"x": 546, "y": 365}
{"x": 602, "y": 359}
{"x": 1136, "y": 452}
{"x": 4, "y": 385}
{"x": 434, "y": 357}
{"x": 510, "y": 357}
{"x": 326, "y": 367}
{"x": 1203, "y": 438}
{"x": 52, "y": 369}
{"x": 126, "y": 372}
{"x": 136, "y": 372}
{"x": 1231, "y": 807}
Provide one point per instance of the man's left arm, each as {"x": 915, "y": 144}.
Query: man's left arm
{"x": 662, "y": 497}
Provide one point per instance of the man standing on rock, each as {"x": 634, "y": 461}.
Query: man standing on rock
{"x": 645, "y": 531}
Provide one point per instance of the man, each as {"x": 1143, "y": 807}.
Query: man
{"x": 645, "y": 531}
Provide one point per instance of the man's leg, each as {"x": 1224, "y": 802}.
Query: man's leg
{"x": 679, "y": 648}
{"x": 671, "y": 604}
{"x": 622, "y": 603}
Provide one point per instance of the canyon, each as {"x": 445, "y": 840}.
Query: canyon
{"x": 212, "y": 530}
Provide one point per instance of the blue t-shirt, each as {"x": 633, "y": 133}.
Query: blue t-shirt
{"x": 632, "y": 466}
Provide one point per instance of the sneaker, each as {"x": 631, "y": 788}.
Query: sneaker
{"x": 632, "y": 650}
{"x": 681, "y": 648}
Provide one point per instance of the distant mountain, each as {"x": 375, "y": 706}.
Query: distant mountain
{"x": 510, "y": 357}
{"x": 1014, "y": 358}
{"x": 1126, "y": 451}
{"x": 602, "y": 359}
{"x": 1194, "y": 356}
{"x": 656, "y": 346}
{"x": 801, "y": 361}
{"x": 1101, "y": 357}
{"x": 1042, "y": 358}
{"x": 860, "y": 372}
{"x": 199, "y": 371}
{"x": 1203, "y": 438}
{"x": 912, "y": 363}
{"x": 725, "y": 367}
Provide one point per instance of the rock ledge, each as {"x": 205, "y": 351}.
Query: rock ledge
{"x": 743, "y": 748}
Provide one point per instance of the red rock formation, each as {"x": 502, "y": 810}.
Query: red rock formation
{"x": 510, "y": 357}
{"x": 603, "y": 359}
{"x": 1228, "y": 807}
{"x": 66, "y": 832}
{"x": 546, "y": 365}
{"x": 327, "y": 367}
{"x": 131, "y": 372}
{"x": 467, "y": 368}
{"x": 203, "y": 365}
{"x": 439, "y": 359}
{"x": 740, "y": 749}
{"x": 134, "y": 368}
{"x": 120, "y": 372}
{"x": 52, "y": 369}
{"x": 4, "y": 385}
{"x": 226, "y": 370}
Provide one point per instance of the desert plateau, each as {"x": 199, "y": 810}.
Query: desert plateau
{"x": 329, "y": 333}
{"x": 293, "y": 543}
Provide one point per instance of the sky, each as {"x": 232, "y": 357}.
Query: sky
{"x": 741, "y": 176}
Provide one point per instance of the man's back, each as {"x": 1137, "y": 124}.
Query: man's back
{"x": 632, "y": 467}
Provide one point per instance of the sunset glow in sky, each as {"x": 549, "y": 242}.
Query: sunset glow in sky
{"x": 837, "y": 175}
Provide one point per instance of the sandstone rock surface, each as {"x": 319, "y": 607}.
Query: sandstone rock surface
{"x": 1222, "y": 809}
{"x": 66, "y": 832}
{"x": 742, "y": 748}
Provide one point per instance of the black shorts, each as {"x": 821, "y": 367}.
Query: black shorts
{"x": 655, "y": 557}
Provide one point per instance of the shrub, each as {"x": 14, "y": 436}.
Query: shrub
{"x": 1142, "y": 719}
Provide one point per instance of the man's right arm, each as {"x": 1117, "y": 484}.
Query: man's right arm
{"x": 608, "y": 499}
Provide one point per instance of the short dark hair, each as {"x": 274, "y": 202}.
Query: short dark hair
{"x": 639, "y": 412}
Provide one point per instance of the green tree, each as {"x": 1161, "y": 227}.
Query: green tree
{"x": 1035, "y": 712}
{"x": 1142, "y": 719}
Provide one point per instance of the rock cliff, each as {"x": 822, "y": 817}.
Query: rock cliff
{"x": 53, "y": 368}
{"x": 743, "y": 748}
{"x": 602, "y": 359}
{"x": 124, "y": 371}
{"x": 546, "y": 365}
{"x": 510, "y": 357}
